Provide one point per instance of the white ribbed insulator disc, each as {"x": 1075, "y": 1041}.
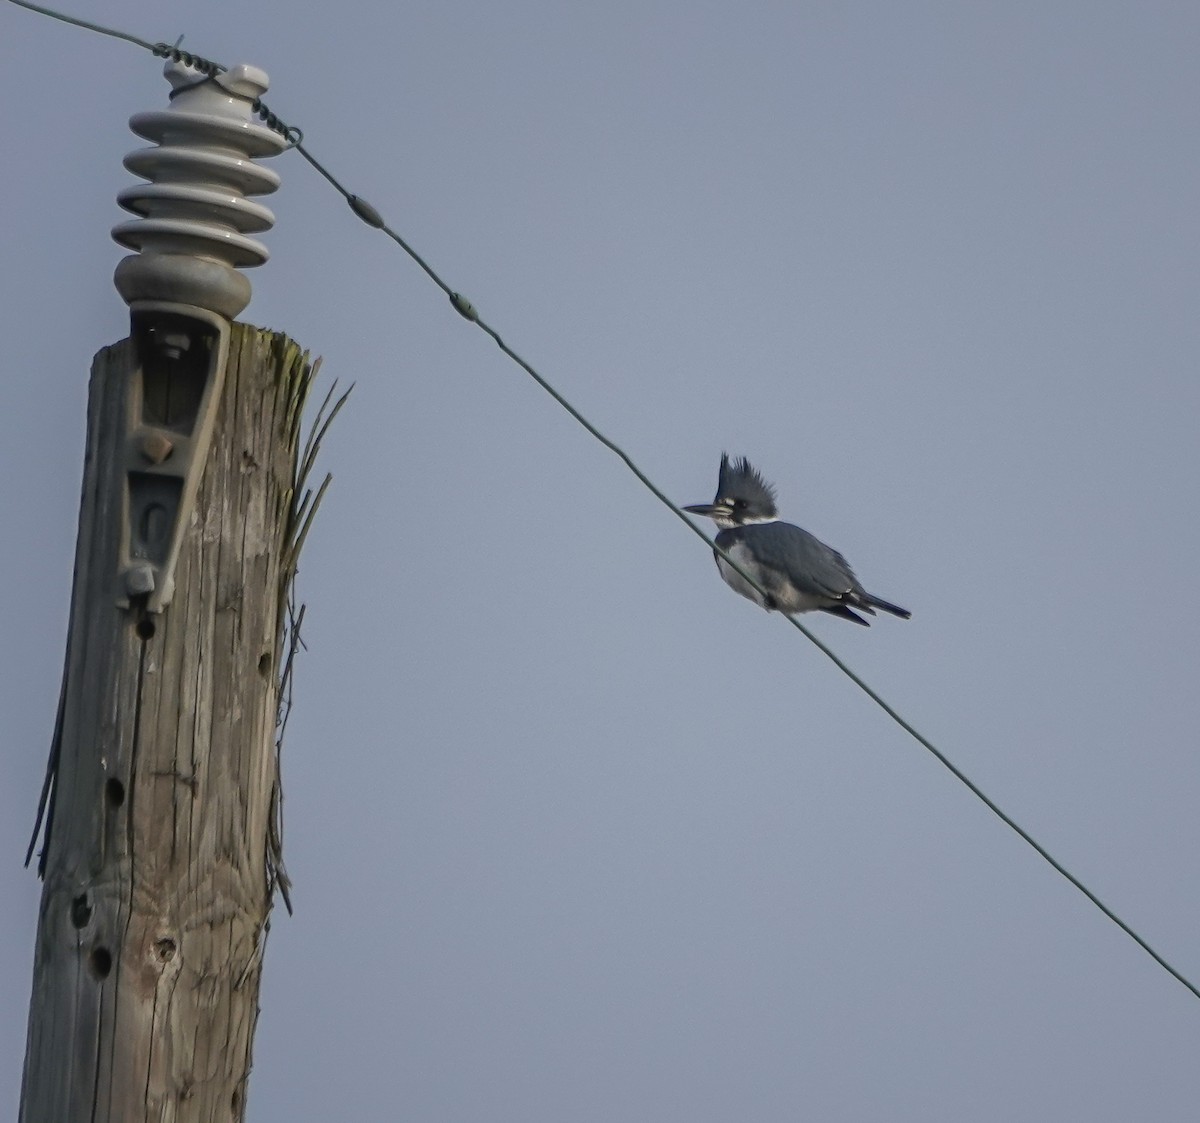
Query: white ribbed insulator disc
{"x": 191, "y": 165}
{"x": 201, "y": 130}
{"x": 191, "y": 239}
{"x": 191, "y": 201}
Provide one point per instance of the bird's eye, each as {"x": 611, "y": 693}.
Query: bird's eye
{"x": 740, "y": 504}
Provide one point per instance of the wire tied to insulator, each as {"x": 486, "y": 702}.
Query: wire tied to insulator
{"x": 211, "y": 70}
{"x": 196, "y": 62}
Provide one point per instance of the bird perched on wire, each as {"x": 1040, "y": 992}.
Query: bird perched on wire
{"x": 797, "y": 570}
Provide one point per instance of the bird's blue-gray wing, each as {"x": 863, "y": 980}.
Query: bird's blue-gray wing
{"x": 807, "y": 562}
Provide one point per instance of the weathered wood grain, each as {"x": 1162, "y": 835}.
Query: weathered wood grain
{"x": 158, "y": 884}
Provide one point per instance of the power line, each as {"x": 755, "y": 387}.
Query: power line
{"x": 368, "y": 214}
{"x": 87, "y": 26}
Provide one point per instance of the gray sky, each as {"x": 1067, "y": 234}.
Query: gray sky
{"x": 577, "y": 834}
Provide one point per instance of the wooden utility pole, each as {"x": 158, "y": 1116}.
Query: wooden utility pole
{"x": 161, "y": 851}
{"x": 157, "y": 877}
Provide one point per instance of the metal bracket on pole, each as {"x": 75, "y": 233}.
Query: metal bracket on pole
{"x": 183, "y": 289}
{"x": 170, "y": 409}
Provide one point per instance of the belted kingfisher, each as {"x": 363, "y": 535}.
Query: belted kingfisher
{"x": 799, "y": 572}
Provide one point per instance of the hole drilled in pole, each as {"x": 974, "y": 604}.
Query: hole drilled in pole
{"x": 100, "y": 962}
{"x": 114, "y": 792}
{"x": 81, "y": 911}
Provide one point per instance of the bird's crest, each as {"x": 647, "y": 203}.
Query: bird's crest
{"x": 740, "y": 480}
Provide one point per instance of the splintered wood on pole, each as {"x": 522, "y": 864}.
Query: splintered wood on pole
{"x": 161, "y": 851}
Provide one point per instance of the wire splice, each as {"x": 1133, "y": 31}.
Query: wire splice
{"x": 365, "y": 211}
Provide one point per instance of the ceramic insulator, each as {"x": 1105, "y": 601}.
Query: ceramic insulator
{"x": 195, "y": 221}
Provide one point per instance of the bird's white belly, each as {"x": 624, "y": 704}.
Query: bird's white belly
{"x": 735, "y": 580}
{"x": 786, "y": 596}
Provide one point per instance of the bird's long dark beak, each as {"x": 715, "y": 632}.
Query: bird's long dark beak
{"x": 705, "y": 509}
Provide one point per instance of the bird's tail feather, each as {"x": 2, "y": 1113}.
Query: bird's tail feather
{"x": 887, "y": 606}
{"x": 844, "y": 612}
